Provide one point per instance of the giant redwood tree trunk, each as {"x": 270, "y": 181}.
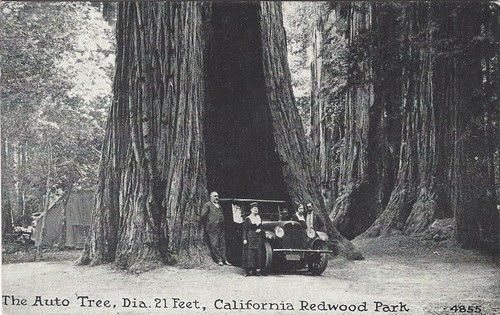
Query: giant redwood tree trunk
{"x": 324, "y": 135}
{"x": 416, "y": 180}
{"x": 290, "y": 143}
{"x": 473, "y": 183}
{"x": 357, "y": 137}
{"x": 440, "y": 111}
{"x": 419, "y": 143}
{"x": 152, "y": 170}
{"x": 203, "y": 101}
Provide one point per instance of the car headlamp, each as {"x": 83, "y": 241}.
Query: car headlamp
{"x": 279, "y": 231}
{"x": 310, "y": 233}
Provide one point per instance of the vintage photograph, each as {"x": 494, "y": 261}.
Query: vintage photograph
{"x": 246, "y": 157}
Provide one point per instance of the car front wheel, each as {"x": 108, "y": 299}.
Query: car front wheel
{"x": 318, "y": 262}
{"x": 267, "y": 260}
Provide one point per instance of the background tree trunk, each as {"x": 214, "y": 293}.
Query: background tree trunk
{"x": 109, "y": 12}
{"x": 413, "y": 189}
{"x": 355, "y": 130}
{"x": 47, "y": 201}
{"x": 324, "y": 137}
{"x": 473, "y": 183}
{"x": 7, "y": 224}
{"x": 416, "y": 136}
{"x": 290, "y": 143}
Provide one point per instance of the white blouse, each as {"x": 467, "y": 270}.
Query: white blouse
{"x": 255, "y": 219}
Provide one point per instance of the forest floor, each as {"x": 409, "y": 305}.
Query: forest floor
{"x": 398, "y": 276}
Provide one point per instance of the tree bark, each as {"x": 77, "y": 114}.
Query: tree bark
{"x": 325, "y": 131}
{"x": 290, "y": 142}
{"x": 47, "y": 203}
{"x": 417, "y": 134}
{"x": 354, "y": 139}
{"x": 7, "y": 224}
{"x": 109, "y": 12}
{"x": 473, "y": 183}
{"x": 421, "y": 194}
{"x": 153, "y": 172}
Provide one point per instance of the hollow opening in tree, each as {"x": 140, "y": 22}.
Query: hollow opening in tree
{"x": 240, "y": 150}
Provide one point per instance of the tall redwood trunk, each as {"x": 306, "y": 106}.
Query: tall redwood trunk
{"x": 419, "y": 144}
{"x": 417, "y": 131}
{"x": 349, "y": 119}
{"x": 152, "y": 169}
{"x": 183, "y": 122}
{"x": 298, "y": 170}
{"x": 473, "y": 183}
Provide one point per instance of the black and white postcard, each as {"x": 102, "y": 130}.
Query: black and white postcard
{"x": 245, "y": 157}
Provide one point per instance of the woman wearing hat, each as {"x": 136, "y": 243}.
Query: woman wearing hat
{"x": 252, "y": 241}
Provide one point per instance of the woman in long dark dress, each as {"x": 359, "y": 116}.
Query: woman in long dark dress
{"x": 252, "y": 241}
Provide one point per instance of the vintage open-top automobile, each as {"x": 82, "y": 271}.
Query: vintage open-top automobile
{"x": 288, "y": 245}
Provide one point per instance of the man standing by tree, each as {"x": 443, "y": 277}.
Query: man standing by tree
{"x": 211, "y": 214}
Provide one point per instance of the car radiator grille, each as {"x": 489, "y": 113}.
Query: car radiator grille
{"x": 294, "y": 235}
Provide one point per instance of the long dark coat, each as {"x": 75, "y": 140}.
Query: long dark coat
{"x": 252, "y": 251}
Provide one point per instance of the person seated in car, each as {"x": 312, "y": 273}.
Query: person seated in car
{"x": 299, "y": 215}
{"x": 313, "y": 220}
{"x": 252, "y": 241}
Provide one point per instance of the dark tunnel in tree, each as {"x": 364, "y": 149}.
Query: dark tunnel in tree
{"x": 226, "y": 64}
{"x": 240, "y": 150}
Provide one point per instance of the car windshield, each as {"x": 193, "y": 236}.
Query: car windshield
{"x": 269, "y": 210}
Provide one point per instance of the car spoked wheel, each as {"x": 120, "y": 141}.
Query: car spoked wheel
{"x": 318, "y": 261}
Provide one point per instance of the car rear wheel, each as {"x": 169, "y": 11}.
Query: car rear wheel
{"x": 318, "y": 262}
{"x": 267, "y": 260}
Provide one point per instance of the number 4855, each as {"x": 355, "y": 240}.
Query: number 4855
{"x": 466, "y": 309}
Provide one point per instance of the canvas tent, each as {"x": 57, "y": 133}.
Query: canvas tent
{"x": 67, "y": 221}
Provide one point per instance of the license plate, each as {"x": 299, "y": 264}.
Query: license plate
{"x": 292, "y": 256}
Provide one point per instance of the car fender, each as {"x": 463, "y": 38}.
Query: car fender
{"x": 270, "y": 235}
{"x": 323, "y": 236}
